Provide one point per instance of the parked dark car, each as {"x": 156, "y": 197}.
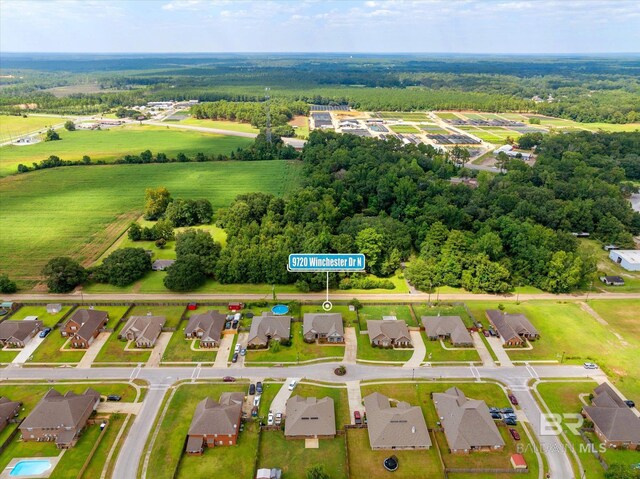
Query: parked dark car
{"x": 357, "y": 417}
{"x": 227, "y": 325}
{"x": 494, "y": 409}
{"x": 254, "y": 411}
{"x": 513, "y": 399}
{"x": 44, "y": 332}
{"x": 506, "y": 410}
{"x": 228, "y": 379}
{"x": 235, "y": 323}
{"x": 234, "y": 359}
{"x": 514, "y": 434}
{"x": 510, "y": 422}
{"x": 486, "y": 333}
{"x": 259, "y": 387}
{"x": 496, "y": 415}
{"x": 630, "y": 403}
{"x": 114, "y": 397}
{"x": 252, "y": 389}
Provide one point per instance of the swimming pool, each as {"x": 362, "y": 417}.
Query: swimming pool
{"x": 30, "y": 468}
{"x": 280, "y": 309}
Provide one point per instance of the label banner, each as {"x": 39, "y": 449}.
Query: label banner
{"x": 317, "y": 263}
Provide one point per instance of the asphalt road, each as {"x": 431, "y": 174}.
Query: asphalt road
{"x": 160, "y": 379}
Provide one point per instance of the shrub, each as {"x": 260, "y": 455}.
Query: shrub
{"x": 6, "y": 285}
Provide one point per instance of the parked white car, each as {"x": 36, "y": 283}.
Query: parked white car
{"x": 590, "y": 366}
{"x": 292, "y": 384}
{"x": 270, "y": 419}
{"x": 256, "y": 400}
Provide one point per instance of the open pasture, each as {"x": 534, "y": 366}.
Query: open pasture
{"x": 12, "y": 126}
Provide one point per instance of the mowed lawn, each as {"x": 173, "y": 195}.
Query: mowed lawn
{"x": 48, "y": 320}
{"x": 12, "y": 126}
{"x": 565, "y": 328}
{"x": 234, "y": 461}
{"x": 113, "y": 143}
{"x": 80, "y": 211}
{"x": 219, "y": 124}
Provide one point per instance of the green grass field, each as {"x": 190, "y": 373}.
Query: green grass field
{"x": 236, "y": 461}
{"x": 116, "y": 142}
{"x": 401, "y": 311}
{"x": 49, "y": 320}
{"x": 404, "y": 129}
{"x": 12, "y": 126}
{"x": 565, "y": 328}
{"x": 179, "y": 348}
{"x": 446, "y": 115}
{"x": 113, "y": 351}
{"x": 403, "y": 115}
{"x": 172, "y": 313}
{"x": 220, "y": 124}
{"x": 49, "y": 350}
{"x": 367, "y": 352}
{"x": 81, "y": 211}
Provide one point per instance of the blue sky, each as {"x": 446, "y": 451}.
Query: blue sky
{"x": 465, "y": 26}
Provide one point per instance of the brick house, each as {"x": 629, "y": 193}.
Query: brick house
{"x": 84, "y": 326}
{"x": 215, "y": 423}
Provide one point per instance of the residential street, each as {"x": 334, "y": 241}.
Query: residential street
{"x": 161, "y": 379}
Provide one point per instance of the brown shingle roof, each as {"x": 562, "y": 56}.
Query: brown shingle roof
{"x": 402, "y": 426}
{"x": 57, "y": 411}
{"x": 467, "y": 422}
{"x": 144, "y": 328}
{"x": 211, "y": 322}
{"x": 90, "y": 320}
{"x": 310, "y": 417}
{"x": 213, "y": 417}
{"x": 265, "y": 326}
{"x": 394, "y": 329}
{"x": 511, "y": 326}
{"x": 323, "y": 323}
{"x": 20, "y": 329}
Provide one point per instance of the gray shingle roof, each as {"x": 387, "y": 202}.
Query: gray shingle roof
{"x": 323, "y": 323}
{"x": 57, "y": 411}
{"x": 612, "y": 416}
{"x": 144, "y": 328}
{"x": 511, "y": 326}
{"x": 266, "y": 326}
{"x": 467, "y": 422}
{"x": 8, "y": 409}
{"x": 211, "y": 323}
{"x": 402, "y": 426}
{"x": 394, "y": 330}
{"x": 451, "y": 326}
{"x": 20, "y": 329}
{"x": 213, "y": 417}
{"x": 310, "y": 417}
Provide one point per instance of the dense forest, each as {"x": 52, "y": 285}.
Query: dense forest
{"x": 581, "y": 88}
{"x": 391, "y": 203}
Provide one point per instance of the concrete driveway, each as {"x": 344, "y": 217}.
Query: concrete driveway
{"x": 94, "y": 349}
{"x": 419, "y": 350}
{"x": 280, "y": 401}
{"x": 158, "y": 350}
{"x": 355, "y": 399}
{"x": 222, "y": 356}
{"x": 242, "y": 341}
{"x": 483, "y": 352}
{"x": 499, "y": 351}
{"x": 350, "y": 346}
{"x": 28, "y": 350}
{"x": 119, "y": 407}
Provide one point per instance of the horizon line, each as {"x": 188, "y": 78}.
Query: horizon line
{"x": 318, "y": 53}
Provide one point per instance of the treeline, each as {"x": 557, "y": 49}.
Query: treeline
{"x": 259, "y": 150}
{"x": 363, "y": 195}
{"x": 251, "y": 112}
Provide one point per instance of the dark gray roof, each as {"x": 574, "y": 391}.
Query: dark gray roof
{"x": 616, "y": 423}
{"x": 20, "y": 329}
{"x": 211, "y": 322}
{"x": 604, "y": 395}
{"x": 90, "y": 320}
{"x": 310, "y": 417}
{"x": 467, "y": 422}
{"x": 8, "y": 409}
{"x": 447, "y": 326}
{"x": 511, "y": 325}
{"x": 323, "y": 323}
{"x": 57, "y": 411}
{"x": 213, "y": 417}
{"x": 402, "y": 426}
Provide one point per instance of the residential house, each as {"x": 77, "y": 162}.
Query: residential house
{"x": 310, "y": 418}
{"x": 17, "y": 334}
{"x": 389, "y": 333}
{"x": 613, "y": 422}
{"x": 162, "y": 264}
{"x": 60, "y": 419}
{"x": 612, "y": 280}
{"x": 400, "y": 427}
{"x": 215, "y": 423}
{"x": 207, "y": 327}
{"x": 268, "y": 327}
{"x": 54, "y": 308}
{"x": 323, "y": 327}
{"x": 467, "y": 423}
{"x": 629, "y": 259}
{"x": 83, "y": 327}
{"x": 447, "y": 327}
{"x": 512, "y": 328}
{"x": 144, "y": 330}
{"x": 8, "y": 411}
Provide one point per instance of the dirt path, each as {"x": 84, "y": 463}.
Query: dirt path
{"x": 594, "y": 314}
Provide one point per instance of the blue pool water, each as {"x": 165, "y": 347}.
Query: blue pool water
{"x": 280, "y": 309}
{"x": 30, "y": 468}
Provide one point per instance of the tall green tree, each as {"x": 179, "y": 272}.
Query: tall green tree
{"x": 156, "y": 202}
{"x": 63, "y": 274}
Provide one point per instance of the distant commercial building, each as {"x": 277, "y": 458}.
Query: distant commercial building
{"x": 629, "y": 259}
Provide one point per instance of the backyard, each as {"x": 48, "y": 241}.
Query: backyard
{"x": 49, "y": 320}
